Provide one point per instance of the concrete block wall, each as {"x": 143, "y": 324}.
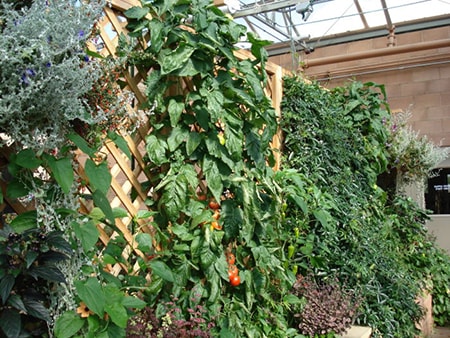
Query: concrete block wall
{"x": 418, "y": 81}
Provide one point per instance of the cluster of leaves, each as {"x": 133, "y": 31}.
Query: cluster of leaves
{"x": 411, "y": 156}
{"x": 345, "y": 221}
{"x": 45, "y": 71}
{"x": 173, "y": 324}
{"x": 46, "y": 180}
{"x": 28, "y": 266}
{"x": 427, "y": 262}
{"x": 50, "y": 86}
{"x": 212, "y": 141}
{"x": 104, "y": 309}
{"x": 329, "y": 309}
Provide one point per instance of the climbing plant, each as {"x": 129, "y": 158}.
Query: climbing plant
{"x": 338, "y": 141}
{"x": 214, "y": 195}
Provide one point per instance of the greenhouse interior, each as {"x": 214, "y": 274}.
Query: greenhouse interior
{"x": 225, "y": 168}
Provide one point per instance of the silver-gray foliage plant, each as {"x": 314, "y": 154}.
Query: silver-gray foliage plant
{"x": 45, "y": 71}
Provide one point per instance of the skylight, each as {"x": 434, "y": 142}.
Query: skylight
{"x": 284, "y": 20}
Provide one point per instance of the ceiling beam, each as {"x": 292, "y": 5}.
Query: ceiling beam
{"x": 265, "y": 7}
{"x": 361, "y": 13}
{"x": 416, "y": 25}
{"x": 386, "y": 14}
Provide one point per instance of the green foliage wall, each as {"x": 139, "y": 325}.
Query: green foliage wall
{"x": 338, "y": 140}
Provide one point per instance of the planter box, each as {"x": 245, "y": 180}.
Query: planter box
{"x": 427, "y": 322}
{"x": 358, "y": 332}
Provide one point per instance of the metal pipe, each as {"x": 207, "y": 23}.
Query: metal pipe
{"x": 377, "y": 71}
{"x": 377, "y": 53}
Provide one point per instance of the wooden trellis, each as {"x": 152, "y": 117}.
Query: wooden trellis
{"x": 128, "y": 173}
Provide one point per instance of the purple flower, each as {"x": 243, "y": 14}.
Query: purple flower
{"x": 86, "y": 58}
{"x": 30, "y": 72}
{"x": 81, "y": 34}
{"x": 48, "y": 64}
{"x": 25, "y": 77}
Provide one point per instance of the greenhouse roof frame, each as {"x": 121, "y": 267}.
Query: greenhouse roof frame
{"x": 303, "y": 25}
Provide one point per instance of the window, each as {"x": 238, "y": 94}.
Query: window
{"x": 437, "y": 193}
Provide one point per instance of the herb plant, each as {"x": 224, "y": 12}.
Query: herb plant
{"x": 45, "y": 71}
{"x": 329, "y": 309}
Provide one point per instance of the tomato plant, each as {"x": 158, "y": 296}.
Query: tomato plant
{"x": 202, "y": 140}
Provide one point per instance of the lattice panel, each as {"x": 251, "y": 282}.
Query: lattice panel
{"x": 128, "y": 174}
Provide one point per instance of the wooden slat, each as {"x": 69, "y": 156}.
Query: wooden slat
{"x": 126, "y": 177}
{"x": 122, "y": 163}
{"x": 123, "y": 5}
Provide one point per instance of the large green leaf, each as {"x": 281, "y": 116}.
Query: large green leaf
{"x": 62, "y": 171}
{"x": 101, "y": 201}
{"x": 56, "y": 239}
{"x": 87, "y": 233}
{"x": 213, "y": 177}
{"x": 156, "y": 28}
{"x": 16, "y": 189}
{"x": 16, "y": 302}
{"x": 193, "y": 141}
{"x": 27, "y": 159}
{"x": 50, "y": 273}
{"x": 81, "y": 144}
{"x": 207, "y": 257}
{"x": 144, "y": 241}
{"x": 323, "y": 216}
{"x": 37, "y": 309}
{"x": 91, "y": 293}
{"x": 214, "y": 102}
{"x": 133, "y": 302}
{"x": 24, "y": 221}
{"x": 162, "y": 270}
{"x": 68, "y": 324}
{"x": 118, "y": 314}
{"x": 177, "y": 136}
{"x": 175, "y": 110}
{"x": 120, "y": 142}
{"x": 6, "y": 285}
{"x": 30, "y": 257}
{"x": 232, "y": 217}
{"x": 136, "y": 12}
{"x": 253, "y": 78}
{"x": 10, "y": 323}
{"x": 99, "y": 175}
{"x": 253, "y": 145}
{"x": 175, "y": 59}
{"x": 156, "y": 150}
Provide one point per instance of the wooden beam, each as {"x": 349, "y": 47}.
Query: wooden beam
{"x": 123, "y": 5}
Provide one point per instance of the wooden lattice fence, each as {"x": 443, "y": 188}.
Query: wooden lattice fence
{"x": 129, "y": 172}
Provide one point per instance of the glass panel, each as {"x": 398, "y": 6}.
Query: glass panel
{"x": 437, "y": 194}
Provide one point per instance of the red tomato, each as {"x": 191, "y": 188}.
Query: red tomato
{"x": 214, "y": 205}
{"x": 235, "y": 281}
{"x": 201, "y": 197}
{"x": 230, "y": 258}
{"x": 232, "y": 271}
{"x": 216, "y": 215}
{"x": 216, "y": 225}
